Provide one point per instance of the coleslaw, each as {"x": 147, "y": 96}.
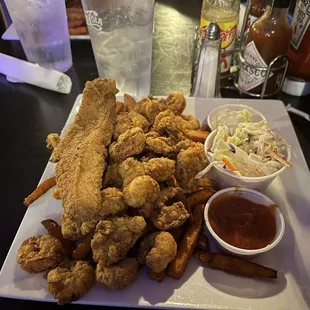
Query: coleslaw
{"x": 231, "y": 118}
{"x": 252, "y": 150}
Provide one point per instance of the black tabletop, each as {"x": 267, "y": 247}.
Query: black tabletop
{"x": 28, "y": 114}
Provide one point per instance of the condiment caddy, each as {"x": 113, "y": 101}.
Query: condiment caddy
{"x": 255, "y": 58}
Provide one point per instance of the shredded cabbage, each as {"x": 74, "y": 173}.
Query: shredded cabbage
{"x": 231, "y": 118}
{"x": 247, "y": 150}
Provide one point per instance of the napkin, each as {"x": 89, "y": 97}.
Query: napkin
{"x": 20, "y": 71}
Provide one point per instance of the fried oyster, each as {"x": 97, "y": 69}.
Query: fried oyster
{"x": 157, "y": 250}
{"x": 113, "y": 238}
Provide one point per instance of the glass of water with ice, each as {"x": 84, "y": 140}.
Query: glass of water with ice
{"x": 121, "y": 33}
{"x": 42, "y": 28}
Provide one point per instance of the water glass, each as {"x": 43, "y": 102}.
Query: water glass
{"x": 42, "y": 28}
{"x": 121, "y": 33}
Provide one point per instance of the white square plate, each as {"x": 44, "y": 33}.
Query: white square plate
{"x": 199, "y": 287}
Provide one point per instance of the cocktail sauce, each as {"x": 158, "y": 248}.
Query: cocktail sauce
{"x": 242, "y": 222}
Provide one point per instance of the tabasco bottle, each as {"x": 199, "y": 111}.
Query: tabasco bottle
{"x": 269, "y": 37}
{"x": 226, "y": 15}
{"x": 299, "y": 51}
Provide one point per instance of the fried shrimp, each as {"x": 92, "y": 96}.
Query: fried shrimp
{"x": 40, "y": 253}
{"x": 69, "y": 284}
{"x": 118, "y": 276}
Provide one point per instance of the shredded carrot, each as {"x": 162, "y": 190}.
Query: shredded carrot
{"x": 229, "y": 164}
{"x": 225, "y": 138}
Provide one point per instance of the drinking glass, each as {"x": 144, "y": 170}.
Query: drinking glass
{"x": 42, "y": 28}
{"x": 121, "y": 33}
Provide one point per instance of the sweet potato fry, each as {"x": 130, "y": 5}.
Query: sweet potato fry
{"x": 129, "y": 101}
{"x": 40, "y": 190}
{"x": 83, "y": 248}
{"x": 55, "y": 230}
{"x": 120, "y": 107}
{"x": 157, "y": 276}
{"x": 235, "y": 265}
{"x": 56, "y": 194}
{"x": 199, "y": 197}
{"x": 203, "y": 243}
{"x": 185, "y": 250}
{"x": 197, "y": 135}
{"x": 205, "y": 127}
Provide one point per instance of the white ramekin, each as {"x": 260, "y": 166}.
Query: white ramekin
{"x": 257, "y": 116}
{"x": 256, "y": 197}
{"x": 226, "y": 178}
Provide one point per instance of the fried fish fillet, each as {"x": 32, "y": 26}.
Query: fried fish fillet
{"x": 81, "y": 153}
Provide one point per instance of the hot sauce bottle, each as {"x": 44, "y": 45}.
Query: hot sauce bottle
{"x": 269, "y": 37}
{"x": 298, "y": 83}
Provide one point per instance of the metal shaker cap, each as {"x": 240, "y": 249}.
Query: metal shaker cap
{"x": 213, "y": 32}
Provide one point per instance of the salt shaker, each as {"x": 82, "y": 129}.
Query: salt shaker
{"x": 206, "y": 83}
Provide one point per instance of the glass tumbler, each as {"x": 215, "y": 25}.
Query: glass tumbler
{"x": 121, "y": 33}
{"x": 42, "y": 28}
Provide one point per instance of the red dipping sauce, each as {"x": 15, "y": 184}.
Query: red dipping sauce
{"x": 242, "y": 222}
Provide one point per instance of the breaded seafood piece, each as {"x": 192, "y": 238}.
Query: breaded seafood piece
{"x": 142, "y": 194}
{"x": 151, "y": 108}
{"x": 88, "y": 227}
{"x": 160, "y": 145}
{"x": 119, "y": 275}
{"x": 52, "y": 141}
{"x": 127, "y": 121}
{"x": 148, "y": 107}
{"x": 185, "y": 144}
{"x": 159, "y": 117}
{"x": 160, "y": 169}
{"x": 81, "y": 153}
{"x": 71, "y": 227}
{"x": 168, "y": 193}
{"x": 130, "y": 169}
{"x": 176, "y": 103}
{"x": 113, "y": 202}
{"x": 169, "y": 217}
{"x": 189, "y": 163}
{"x": 70, "y": 284}
{"x": 74, "y": 229}
{"x": 128, "y": 144}
{"x": 113, "y": 238}
{"x": 40, "y": 253}
{"x": 157, "y": 250}
{"x": 191, "y": 123}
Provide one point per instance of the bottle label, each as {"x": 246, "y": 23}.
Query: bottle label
{"x": 301, "y": 22}
{"x": 249, "y": 77}
{"x": 228, "y": 35}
